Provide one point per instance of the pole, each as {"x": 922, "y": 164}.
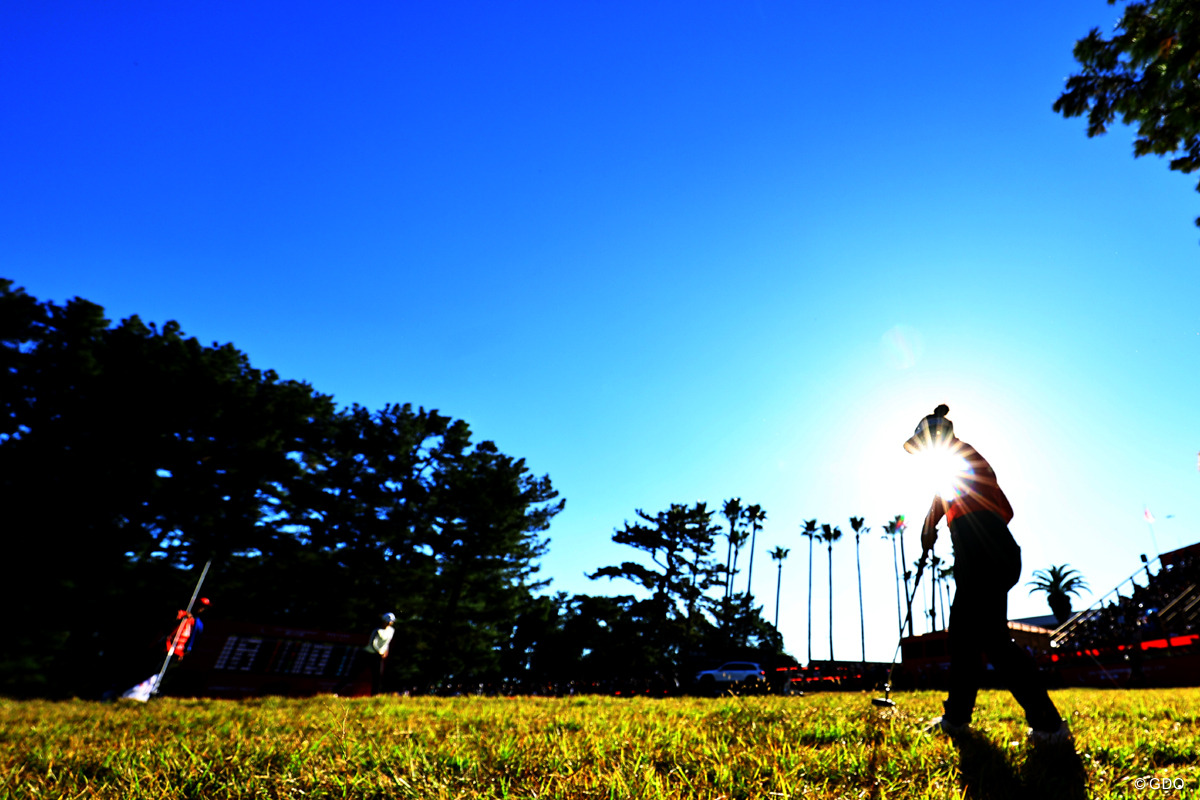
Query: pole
{"x": 862, "y": 623}
{"x": 778, "y": 583}
{"x": 913, "y": 596}
{"x": 1150, "y": 524}
{"x": 908, "y": 621}
{"x": 907, "y": 596}
{"x": 811, "y": 535}
{"x": 175, "y": 636}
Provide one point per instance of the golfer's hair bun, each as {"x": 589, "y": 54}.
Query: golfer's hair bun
{"x": 942, "y": 410}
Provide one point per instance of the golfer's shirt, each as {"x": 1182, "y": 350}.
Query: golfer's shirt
{"x": 976, "y": 488}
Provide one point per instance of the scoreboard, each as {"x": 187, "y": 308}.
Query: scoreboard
{"x": 241, "y": 659}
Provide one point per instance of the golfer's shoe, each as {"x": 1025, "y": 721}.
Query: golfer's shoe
{"x": 951, "y": 729}
{"x": 1061, "y": 735}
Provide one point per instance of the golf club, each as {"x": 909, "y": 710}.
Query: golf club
{"x": 886, "y": 701}
{"x": 175, "y": 640}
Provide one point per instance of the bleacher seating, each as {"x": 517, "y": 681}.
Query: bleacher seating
{"x": 1146, "y": 606}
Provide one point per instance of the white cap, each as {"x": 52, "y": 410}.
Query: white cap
{"x": 389, "y": 617}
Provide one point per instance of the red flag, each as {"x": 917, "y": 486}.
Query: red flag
{"x": 1148, "y": 515}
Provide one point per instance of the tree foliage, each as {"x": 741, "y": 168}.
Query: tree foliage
{"x": 131, "y": 454}
{"x": 681, "y": 622}
{"x": 1148, "y": 74}
{"x": 1059, "y": 583}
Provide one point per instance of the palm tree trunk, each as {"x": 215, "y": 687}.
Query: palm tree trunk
{"x": 750, "y": 569}
{"x": 942, "y": 599}
{"x": 831, "y": 601}
{"x": 862, "y": 623}
{"x": 810, "y": 565}
{"x": 896, "y": 567}
{"x": 908, "y": 598}
{"x": 933, "y": 618}
{"x": 778, "y": 583}
{"x": 737, "y": 547}
{"x": 729, "y": 563}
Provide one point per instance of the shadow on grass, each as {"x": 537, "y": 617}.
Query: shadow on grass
{"x": 1047, "y": 772}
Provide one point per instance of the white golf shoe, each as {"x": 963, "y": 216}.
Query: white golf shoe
{"x": 1062, "y": 735}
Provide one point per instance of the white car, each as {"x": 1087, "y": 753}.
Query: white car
{"x": 744, "y": 672}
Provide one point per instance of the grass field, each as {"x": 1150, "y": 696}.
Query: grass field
{"x": 1128, "y": 744}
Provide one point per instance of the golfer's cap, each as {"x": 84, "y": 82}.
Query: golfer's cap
{"x": 934, "y": 426}
{"x": 204, "y": 601}
{"x": 389, "y": 617}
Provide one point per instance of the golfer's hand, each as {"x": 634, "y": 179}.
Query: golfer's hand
{"x": 928, "y": 538}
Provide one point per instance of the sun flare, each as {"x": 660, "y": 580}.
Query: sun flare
{"x": 941, "y": 470}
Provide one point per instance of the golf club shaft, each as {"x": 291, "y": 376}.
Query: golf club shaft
{"x": 907, "y": 619}
{"x": 177, "y": 631}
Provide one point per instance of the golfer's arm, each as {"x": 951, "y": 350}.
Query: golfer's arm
{"x": 937, "y": 510}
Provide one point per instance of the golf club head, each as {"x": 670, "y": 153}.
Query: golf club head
{"x": 883, "y": 702}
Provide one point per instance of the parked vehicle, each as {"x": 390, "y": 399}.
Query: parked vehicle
{"x": 734, "y": 673}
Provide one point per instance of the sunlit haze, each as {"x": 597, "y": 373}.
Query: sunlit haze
{"x": 665, "y": 252}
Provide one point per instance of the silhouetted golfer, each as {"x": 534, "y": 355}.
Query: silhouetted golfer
{"x": 987, "y": 563}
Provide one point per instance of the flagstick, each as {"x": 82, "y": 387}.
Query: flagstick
{"x": 178, "y": 630}
{"x": 1153, "y": 538}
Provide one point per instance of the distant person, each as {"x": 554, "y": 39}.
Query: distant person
{"x": 184, "y": 634}
{"x": 987, "y": 563}
{"x": 175, "y": 645}
{"x": 377, "y": 650}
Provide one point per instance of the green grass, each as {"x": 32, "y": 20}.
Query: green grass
{"x": 817, "y": 746}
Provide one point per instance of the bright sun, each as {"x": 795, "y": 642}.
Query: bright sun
{"x": 940, "y": 470}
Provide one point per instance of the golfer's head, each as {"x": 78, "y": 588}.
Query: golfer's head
{"x": 932, "y": 431}
{"x": 389, "y": 618}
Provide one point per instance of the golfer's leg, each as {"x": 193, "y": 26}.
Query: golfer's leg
{"x": 966, "y": 656}
{"x": 1018, "y": 669}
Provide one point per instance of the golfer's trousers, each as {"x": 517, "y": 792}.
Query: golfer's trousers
{"x": 979, "y": 623}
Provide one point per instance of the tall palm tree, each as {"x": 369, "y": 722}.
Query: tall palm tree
{"x": 1059, "y": 583}
{"x": 829, "y": 536}
{"x": 947, "y": 575}
{"x": 857, "y": 524}
{"x": 892, "y": 531}
{"x": 933, "y": 573}
{"x": 779, "y": 554}
{"x": 944, "y": 575}
{"x": 732, "y": 511}
{"x": 908, "y": 598}
{"x": 754, "y": 515}
{"x": 809, "y": 531}
{"x": 913, "y": 598}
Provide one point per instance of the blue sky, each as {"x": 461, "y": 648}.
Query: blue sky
{"x": 666, "y": 251}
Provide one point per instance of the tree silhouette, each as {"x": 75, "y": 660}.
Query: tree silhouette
{"x": 934, "y": 573}
{"x": 679, "y": 542}
{"x": 157, "y": 453}
{"x": 908, "y": 595}
{"x": 857, "y": 524}
{"x": 809, "y": 531}
{"x": 754, "y": 515}
{"x": 1146, "y": 73}
{"x": 779, "y": 554}
{"x": 732, "y": 511}
{"x": 947, "y": 575}
{"x": 892, "y": 531}
{"x": 944, "y": 576}
{"x": 829, "y": 536}
{"x": 1059, "y": 583}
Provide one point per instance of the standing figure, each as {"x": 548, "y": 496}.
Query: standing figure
{"x": 174, "y": 646}
{"x": 987, "y": 563}
{"x": 377, "y": 650}
{"x": 183, "y": 636}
